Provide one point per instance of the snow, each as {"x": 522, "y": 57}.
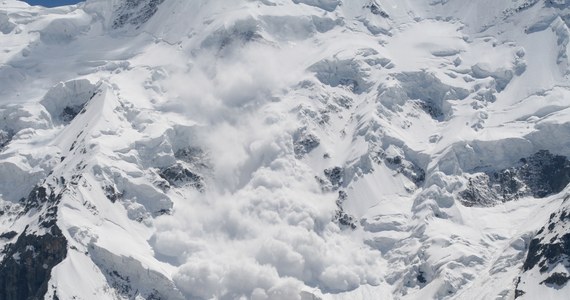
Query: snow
{"x": 100, "y": 98}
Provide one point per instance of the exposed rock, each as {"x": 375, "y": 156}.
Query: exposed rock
{"x": 333, "y": 179}
{"x": 194, "y": 156}
{"x": 546, "y": 252}
{"x": 557, "y": 279}
{"x": 5, "y": 138}
{"x": 376, "y": 9}
{"x": 416, "y": 174}
{"x": 521, "y": 7}
{"x": 40, "y": 196}
{"x": 178, "y": 175}
{"x": 545, "y": 173}
{"x": 394, "y": 159}
{"x": 69, "y": 113}
{"x": 8, "y": 235}
{"x": 549, "y": 253}
{"x": 26, "y": 268}
{"x": 554, "y": 3}
{"x": 135, "y": 12}
{"x": 304, "y": 143}
{"x": 343, "y": 219}
{"x": 539, "y": 175}
{"x": 421, "y": 278}
{"x": 335, "y": 176}
{"x": 343, "y": 102}
{"x": 112, "y": 193}
{"x": 478, "y": 192}
{"x": 67, "y": 99}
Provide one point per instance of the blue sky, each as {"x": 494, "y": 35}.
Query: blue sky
{"x": 52, "y": 3}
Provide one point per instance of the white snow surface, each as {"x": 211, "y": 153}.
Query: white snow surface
{"x": 107, "y": 107}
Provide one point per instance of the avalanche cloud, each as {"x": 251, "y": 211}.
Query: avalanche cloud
{"x": 284, "y": 149}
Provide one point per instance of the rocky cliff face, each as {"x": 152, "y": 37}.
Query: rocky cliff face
{"x": 27, "y": 263}
{"x": 547, "y": 264}
{"x": 539, "y": 175}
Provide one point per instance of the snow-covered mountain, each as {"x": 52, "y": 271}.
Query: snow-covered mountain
{"x": 285, "y": 149}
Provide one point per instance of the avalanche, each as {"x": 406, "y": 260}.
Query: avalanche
{"x": 285, "y": 149}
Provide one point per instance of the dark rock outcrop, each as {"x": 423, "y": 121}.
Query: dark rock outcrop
{"x": 179, "y": 175}
{"x": 26, "y": 268}
{"x": 70, "y": 112}
{"x": 343, "y": 219}
{"x": 8, "y": 235}
{"x": 549, "y": 250}
{"x": 304, "y": 143}
{"x": 135, "y": 12}
{"x": 335, "y": 176}
{"x": 410, "y": 170}
{"x": 539, "y": 175}
{"x": 545, "y": 173}
{"x": 5, "y": 138}
{"x": 375, "y": 8}
{"x": 194, "y": 156}
{"x": 112, "y": 193}
{"x": 39, "y": 196}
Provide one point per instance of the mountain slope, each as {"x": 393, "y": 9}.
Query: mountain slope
{"x": 276, "y": 149}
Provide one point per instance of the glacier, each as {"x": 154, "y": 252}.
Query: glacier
{"x": 285, "y": 149}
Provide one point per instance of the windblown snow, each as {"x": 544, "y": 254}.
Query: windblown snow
{"x": 285, "y": 149}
